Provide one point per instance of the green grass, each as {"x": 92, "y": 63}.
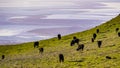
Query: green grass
{"x": 26, "y": 56}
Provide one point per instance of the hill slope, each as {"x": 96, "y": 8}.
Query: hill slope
{"x": 26, "y": 56}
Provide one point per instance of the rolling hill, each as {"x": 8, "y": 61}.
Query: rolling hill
{"x": 26, "y": 56}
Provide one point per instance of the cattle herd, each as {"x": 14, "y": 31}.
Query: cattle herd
{"x": 74, "y": 41}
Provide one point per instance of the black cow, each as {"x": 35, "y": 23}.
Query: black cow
{"x": 59, "y": 36}
{"x": 117, "y": 29}
{"x": 61, "y": 58}
{"x": 80, "y": 46}
{"x": 108, "y": 57}
{"x": 72, "y": 42}
{"x": 99, "y": 43}
{"x": 97, "y": 31}
{"x": 36, "y": 44}
{"x": 119, "y": 34}
{"x": 94, "y": 36}
{"x": 75, "y": 40}
{"x": 41, "y": 50}
{"x": 92, "y": 39}
{"x": 3, "y": 56}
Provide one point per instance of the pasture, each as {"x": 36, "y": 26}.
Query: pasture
{"x": 26, "y": 56}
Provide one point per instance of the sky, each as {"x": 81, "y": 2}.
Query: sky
{"x": 23, "y": 18}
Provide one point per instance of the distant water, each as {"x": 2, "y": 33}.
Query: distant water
{"x": 14, "y": 34}
{"x": 26, "y": 24}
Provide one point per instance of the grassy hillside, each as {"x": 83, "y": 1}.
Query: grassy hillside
{"x": 26, "y": 56}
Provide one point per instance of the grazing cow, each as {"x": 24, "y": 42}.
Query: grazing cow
{"x": 76, "y": 40}
{"x": 59, "y": 36}
{"x": 99, "y": 43}
{"x": 117, "y": 29}
{"x": 92, "y": 39}
{"x": 80, "y": 46}
{"x": 94, "y": 36}
{"x": 41, "y": 50}
{"x": 3, "y": 56}
{"x": 108, "y": 57}
{"x": 97, "y": 30}
{"x": 72, "y": 42}
{"x": 36, "y": 44}
{"x": 61, "y": 58}
{"x": 119, "y": 34}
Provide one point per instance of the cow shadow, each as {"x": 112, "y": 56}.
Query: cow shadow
{"x": 77, "y": 60}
